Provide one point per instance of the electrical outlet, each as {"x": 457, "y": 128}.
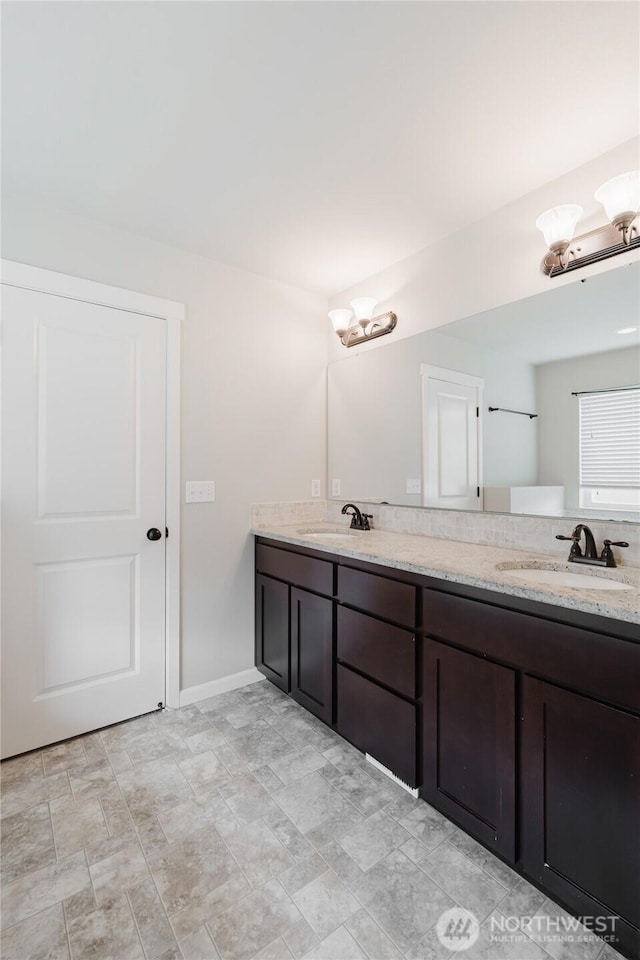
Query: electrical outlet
{"x": 315, "y": 488}
{"x": 200, "y": 491}
{"x": 336, "y": 488}
{"x": 413, "y": 486}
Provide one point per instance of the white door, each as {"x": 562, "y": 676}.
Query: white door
{"x": 451, "y": 447}
{"x": 83, "y": 456}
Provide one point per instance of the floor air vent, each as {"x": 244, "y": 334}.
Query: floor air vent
{"x": 405, "y": 786}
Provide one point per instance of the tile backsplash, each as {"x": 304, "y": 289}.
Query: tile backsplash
{"x": 537, "y": 534}
{"x": 291, "y": 511}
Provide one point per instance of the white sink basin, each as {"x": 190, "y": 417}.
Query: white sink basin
{"x": 317, "y": 533}
{"x": 561, "y": 577}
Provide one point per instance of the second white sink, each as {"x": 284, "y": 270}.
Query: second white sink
{"x": 317, "y": 533}
{"x": 564, "y": 578}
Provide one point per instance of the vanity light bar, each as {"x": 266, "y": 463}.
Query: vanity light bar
{"x": 358, "y": 324}
{"x": 620, "y": 198}
{"x": 376, "y": 327}
{"x": 592, "y": 247}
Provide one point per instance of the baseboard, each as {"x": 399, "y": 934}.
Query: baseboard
{"x": 203, "y": 691}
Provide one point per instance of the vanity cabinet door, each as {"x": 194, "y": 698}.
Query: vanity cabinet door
{"x": 312, "y": 653}
{"x": 469, "y": 739}
{"x": 272, "y": 631}
{"x": 377, "y": 722}
{"x": 580, "y": 805}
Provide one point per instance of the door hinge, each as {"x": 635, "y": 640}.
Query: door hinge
{"x": 166, "y": 532}
{"x": 477, "y": 491}
{"x": 478, "y": 412}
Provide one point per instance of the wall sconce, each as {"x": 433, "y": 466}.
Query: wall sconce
{"x": 358, "y": 324}
{"x": 620, "y": 198}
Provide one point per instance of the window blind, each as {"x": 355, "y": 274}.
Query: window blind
{"x": 610, "y": 438}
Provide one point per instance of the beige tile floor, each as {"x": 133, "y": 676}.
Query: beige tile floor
{"x": 241, "y": 827}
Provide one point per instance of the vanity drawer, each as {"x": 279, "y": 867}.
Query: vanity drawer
{"x": 378, "y": 723}
{"x": 295, "y": 568}
{"x": 593, "y": 663}
{"x": 383, "y": 652}
{"x": 378, "y": 595}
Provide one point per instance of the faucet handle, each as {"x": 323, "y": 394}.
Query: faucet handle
{"x": 576, "y": 550}
{"x": 607, "y": 553}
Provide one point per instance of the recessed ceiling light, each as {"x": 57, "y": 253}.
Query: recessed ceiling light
{"x": 628, "y": 330}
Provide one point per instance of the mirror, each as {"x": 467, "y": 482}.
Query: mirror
{"x": 400, "y": 416}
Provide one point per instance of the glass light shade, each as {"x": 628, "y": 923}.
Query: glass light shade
{"x": 620, "y": 195}
{"x": 363, "y": 307}
{"x": 558, "y": 224}
{"x": 341, "y": 319}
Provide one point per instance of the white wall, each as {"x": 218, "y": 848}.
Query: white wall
{"x": 253, "y": 405}
{"x": 374, "y": 415}
{"x": 254, "y": 366}
{"x": 494, "y": 261}
{"x": 558, "y": 426}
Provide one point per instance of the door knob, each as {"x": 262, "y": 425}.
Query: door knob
{"x": 153, "y": 534}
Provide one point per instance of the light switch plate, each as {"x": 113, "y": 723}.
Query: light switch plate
{"x": 413, "y": 486}
{"x": 336, "y": 487}
{"x": 315, "y": 488}
{"x": 200, "y": 491}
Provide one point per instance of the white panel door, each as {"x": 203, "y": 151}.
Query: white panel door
{"x": 451, "y": 445}
{"x": 83, "y": 455}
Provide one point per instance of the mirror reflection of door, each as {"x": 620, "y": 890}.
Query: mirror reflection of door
{"x": 451, "y": 461}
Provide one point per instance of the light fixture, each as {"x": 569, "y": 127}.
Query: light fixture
{"x": 358, "y": 324}
{"x": 363, "y": 308}
{"x": 627, "y": 330}
{"x": 621, "y": 199}
{"x": 341, "y": 320}
{"x": 558, "y": 226}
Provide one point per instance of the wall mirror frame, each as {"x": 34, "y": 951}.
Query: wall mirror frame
{"x": 403, "y": 417}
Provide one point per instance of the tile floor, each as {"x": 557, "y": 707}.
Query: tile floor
{"x": 236, "y": 828}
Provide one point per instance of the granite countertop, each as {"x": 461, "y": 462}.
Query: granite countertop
{"x": 477, "y": 565}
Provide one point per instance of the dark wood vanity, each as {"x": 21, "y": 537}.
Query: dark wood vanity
{"x": 518, "y": 720}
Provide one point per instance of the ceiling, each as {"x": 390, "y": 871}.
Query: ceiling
{"x": 570, "y": 321}
{"x": 315, "y": 143}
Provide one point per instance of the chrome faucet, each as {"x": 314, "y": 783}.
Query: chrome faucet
{"x": 359, "y": 521}
{"x": 590, "y": 555}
